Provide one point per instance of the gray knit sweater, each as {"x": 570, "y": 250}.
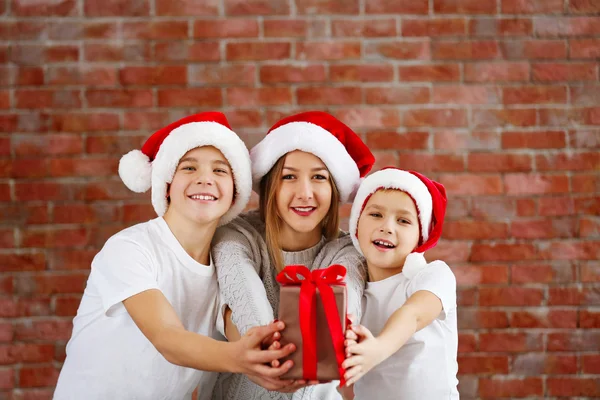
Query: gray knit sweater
{"x": 248, "y": 286}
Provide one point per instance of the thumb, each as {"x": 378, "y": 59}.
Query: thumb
{"x": 259, "y": 334}
{"x": 362, "y": 332}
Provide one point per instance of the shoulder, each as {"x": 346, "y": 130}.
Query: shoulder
{"x": 136, "y": 239}
{"x": 241, "y": 229}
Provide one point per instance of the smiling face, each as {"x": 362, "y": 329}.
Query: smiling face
{"x": 202, "y": 189}
{"x": 388, "y": 231}
{"x": 303, "y": 196}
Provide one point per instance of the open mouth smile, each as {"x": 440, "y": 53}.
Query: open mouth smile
{"x": 383, "y": 245}
{"x": 303, "y": 211}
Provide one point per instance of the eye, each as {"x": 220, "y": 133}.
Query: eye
{"x": 375, "y": 215}
{"x": 221, "y": 171}
{"x": 288, "y": 177}
{"x": 187, "y": 168}
{"x": 404, "y": 221}
{"x": 320, "y": 177}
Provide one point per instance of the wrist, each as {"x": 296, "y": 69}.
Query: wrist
{"x": 229, "y": 353}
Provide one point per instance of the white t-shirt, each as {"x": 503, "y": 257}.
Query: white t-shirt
{"x": 425, "y": 367}
{"x": 108, "y": 357}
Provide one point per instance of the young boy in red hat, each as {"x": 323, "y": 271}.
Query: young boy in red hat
{"x": 145, "y": 324}
{"x": 406, "y": 345}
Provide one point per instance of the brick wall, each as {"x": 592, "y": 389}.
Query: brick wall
{"x": 498, "y": 99}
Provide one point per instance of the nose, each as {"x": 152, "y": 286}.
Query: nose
{"x": 304, "y": 189}
{"x": 386, "y": 226}
{"x": 204, "y": 177}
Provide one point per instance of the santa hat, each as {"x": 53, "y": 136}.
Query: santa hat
{"x": 154, "y": 166}
{"x": 429, "y": 198}
{"x": 347, "y": 158}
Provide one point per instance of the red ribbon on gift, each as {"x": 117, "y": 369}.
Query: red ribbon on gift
{"x": 310, "y": 281}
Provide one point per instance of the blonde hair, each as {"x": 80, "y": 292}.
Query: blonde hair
{"x": 269, "y": 187}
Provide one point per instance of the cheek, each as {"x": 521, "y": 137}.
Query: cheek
{"x": 324, "y": 195}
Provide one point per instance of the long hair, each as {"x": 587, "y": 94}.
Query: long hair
{"x": 269, "y": 187}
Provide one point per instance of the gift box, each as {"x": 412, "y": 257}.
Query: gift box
{"x": 313, "y": 307}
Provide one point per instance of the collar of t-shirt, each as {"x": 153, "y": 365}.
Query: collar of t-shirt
{"x": 165, "y": 234}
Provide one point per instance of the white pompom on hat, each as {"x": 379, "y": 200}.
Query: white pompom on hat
{"x": 154, "y": 165}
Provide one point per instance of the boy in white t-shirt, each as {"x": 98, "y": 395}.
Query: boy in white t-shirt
{"x": 407, "y": 340}
{"x": 145, "y": 324}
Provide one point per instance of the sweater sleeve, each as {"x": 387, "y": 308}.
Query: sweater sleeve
{"x": 238, "y": 267}
{"x": 342, "y": 251}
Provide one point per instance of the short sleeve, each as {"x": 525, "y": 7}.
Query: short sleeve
{"x": 437, "y": 278}
{"x": 122, "y": 269}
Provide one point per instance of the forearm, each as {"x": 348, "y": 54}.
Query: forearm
{"x": 189, "y": 349}
{"x": 401, "y": 325}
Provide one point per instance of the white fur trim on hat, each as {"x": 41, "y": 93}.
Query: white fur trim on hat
{"x": 393, "y": 179}
{"x": 310, "y": 138}
{"x": 135, "y": 169}
{"x": 196, "y": 134}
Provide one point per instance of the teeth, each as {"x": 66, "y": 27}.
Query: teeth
{"x": 203, "y": 197}
{"x": 303, "y": 209}
{"x": 386, "y": 244}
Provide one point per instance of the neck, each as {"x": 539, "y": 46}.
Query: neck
{"x": 297, "y": 241}
{"x": 195, "y": 238}
{"x": 378, "y": 274}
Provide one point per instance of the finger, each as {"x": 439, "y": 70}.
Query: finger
{"x": 353, "y": 375}
{"x": 351, "y": 317}
{"x": 266, "y": 356}
{"x": 350, "y": 342}
{"x": 275, "y": 363}
{"x": 272, "y": 384}
{"x": 351, "y": 335}
{"x": 362, "y": 332}
{"x": 275, "y": 346}
{"x": 271, "y": 372}
{"x": 352, "y": 361}
{"x": 259, "y": 333}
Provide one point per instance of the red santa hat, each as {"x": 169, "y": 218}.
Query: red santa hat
{"x": 429, "y": 198}
{"x": 347, "y": 158}
{"x": 154, "y": 166}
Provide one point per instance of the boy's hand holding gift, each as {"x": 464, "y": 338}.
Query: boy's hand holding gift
{"x": 313, "y": 306}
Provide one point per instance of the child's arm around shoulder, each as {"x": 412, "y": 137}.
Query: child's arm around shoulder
{"x": 432, "y": 294}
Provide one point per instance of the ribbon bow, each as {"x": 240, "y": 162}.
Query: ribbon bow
{"x": 309, "y": 283}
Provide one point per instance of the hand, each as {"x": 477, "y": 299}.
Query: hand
{"x": 363, "y": 356}
{"x": 247, "y": 356}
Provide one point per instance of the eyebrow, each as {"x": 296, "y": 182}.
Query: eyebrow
{"x": 397, "y": 210}
{"x": 312, "y": 169}
{"x": 194, "y": 159}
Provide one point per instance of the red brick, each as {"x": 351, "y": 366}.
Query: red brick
{"x": 589, "y": 319}
{"x": 458, "y": 94}
{"x": 220, "y": 75}
{"x": 364, "y": 28}
{"x": 119, "y": 97}
{"x": 257, "y": 7}
{"x": 292, "y": 74}
{"x": 467, "y": 343}
{"x": 544, "y": 318}
{"x": 117, "y": 8}
{"x": 392, "y": 140}
{"x": 544, "y": 364}
{"x": 397, "y": 95}
{"x": 55, "y": 237}
{"x": 588, "y": 250}
{"x": 589, "y": 227}
{"x": 432, "y": 162}
{"x": 466, "y": 296}
{"x": 203, "y": 97}
{"x": 453, "y": 140}
{"x": 359, "y": 73}
{"x": 22, "y": 262}
{"x": 429, "y": 73}
{"x": 137, "y": 52}
{"x": 590, "y": 272}
{"x": 475, "y": 318}
{"x": 492, "y": 207}
{"x": 464, "y": 50}
{"x": 114, "y": 144}
{"x": 91, "y": 77}
{"x": 254, "y": 97}
{"x": 535, "y": 95}
{"x": 26, "y": 353}
{"x": 584, "y": 48}
{"x": 585, "y": 183}
{"x": 152, "y": 76}
{"x": 6, "y": 334}
{"x": 35, "y": 99}
{"x": 227, "y": 28}
{"x": 519, "y": 184}
{"x": 24, "y": 214}
{"x": 138, "y": 212}
{"x": 38, "y": 376}
{"x": 187, "y": 8}
{"x": 53, "y": 144}
{"x": 542, "y": 273}
{"x": 290, "y": 28}
{"x": 7, "y": 378}
{"x": 256, "y": 51}
{"x": 474, "y": 275}
{"x": 574, "y": 340}
{"x": 555, "y": 206}
{"x": 185, "y": 52}
{"x": 85, "y": 213}
{"x": 534, "y": 140}
{"x": 48, "y": 8}
{"x": 534, "y": 49}
{"x": 320, "y": 7}
{"x": 500, "y": 27}
{"x": 504, "y": 118}
{"x": 63, "y": 30}
{"x": 329, "y": 95}
{"x": 106, "y": 191}
{"x": 584, "y": 6}
{"x": 474, "y": 230}
{"x": 450, "y": 118}
{"x": 434, "y": 27}
{"x": 572, "y": 26}
{"x": 50, "y": 284}
{"x": 397, "y": 7}
{"x": 62, "y": 53}
{"x": 369, "y": 117}
{"x": 489, "y": 162}
{"x": 20, "y": 30}
{"x": 573, "y": 386}
{"x": 570, "y": 161}
{"x": 149, "y": 30}
{"x": 72, "y": 259}
{"x": 464, "y": 6}
{"x": 590, "y": 363}
{"x": 510, "y": 342}
{"x": 399, "y": 50}
{"x": 459, "y": 206}
{"x": 328, "y": 50}
{"x": 484, "y": 365}
{"x": 88, "y": 122}
{"x": 24, "y": 308}
{"x": 497, "y": 72}
{"x": 502, "y": 252}
{"x": 470, "y": 184}
{"x": 66, "y": 306}
{"x": 563, "y": 72}
{"x": 532, "y": 6}
{"x": 584, "y": 139}
{"x": 26, "y": 76}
